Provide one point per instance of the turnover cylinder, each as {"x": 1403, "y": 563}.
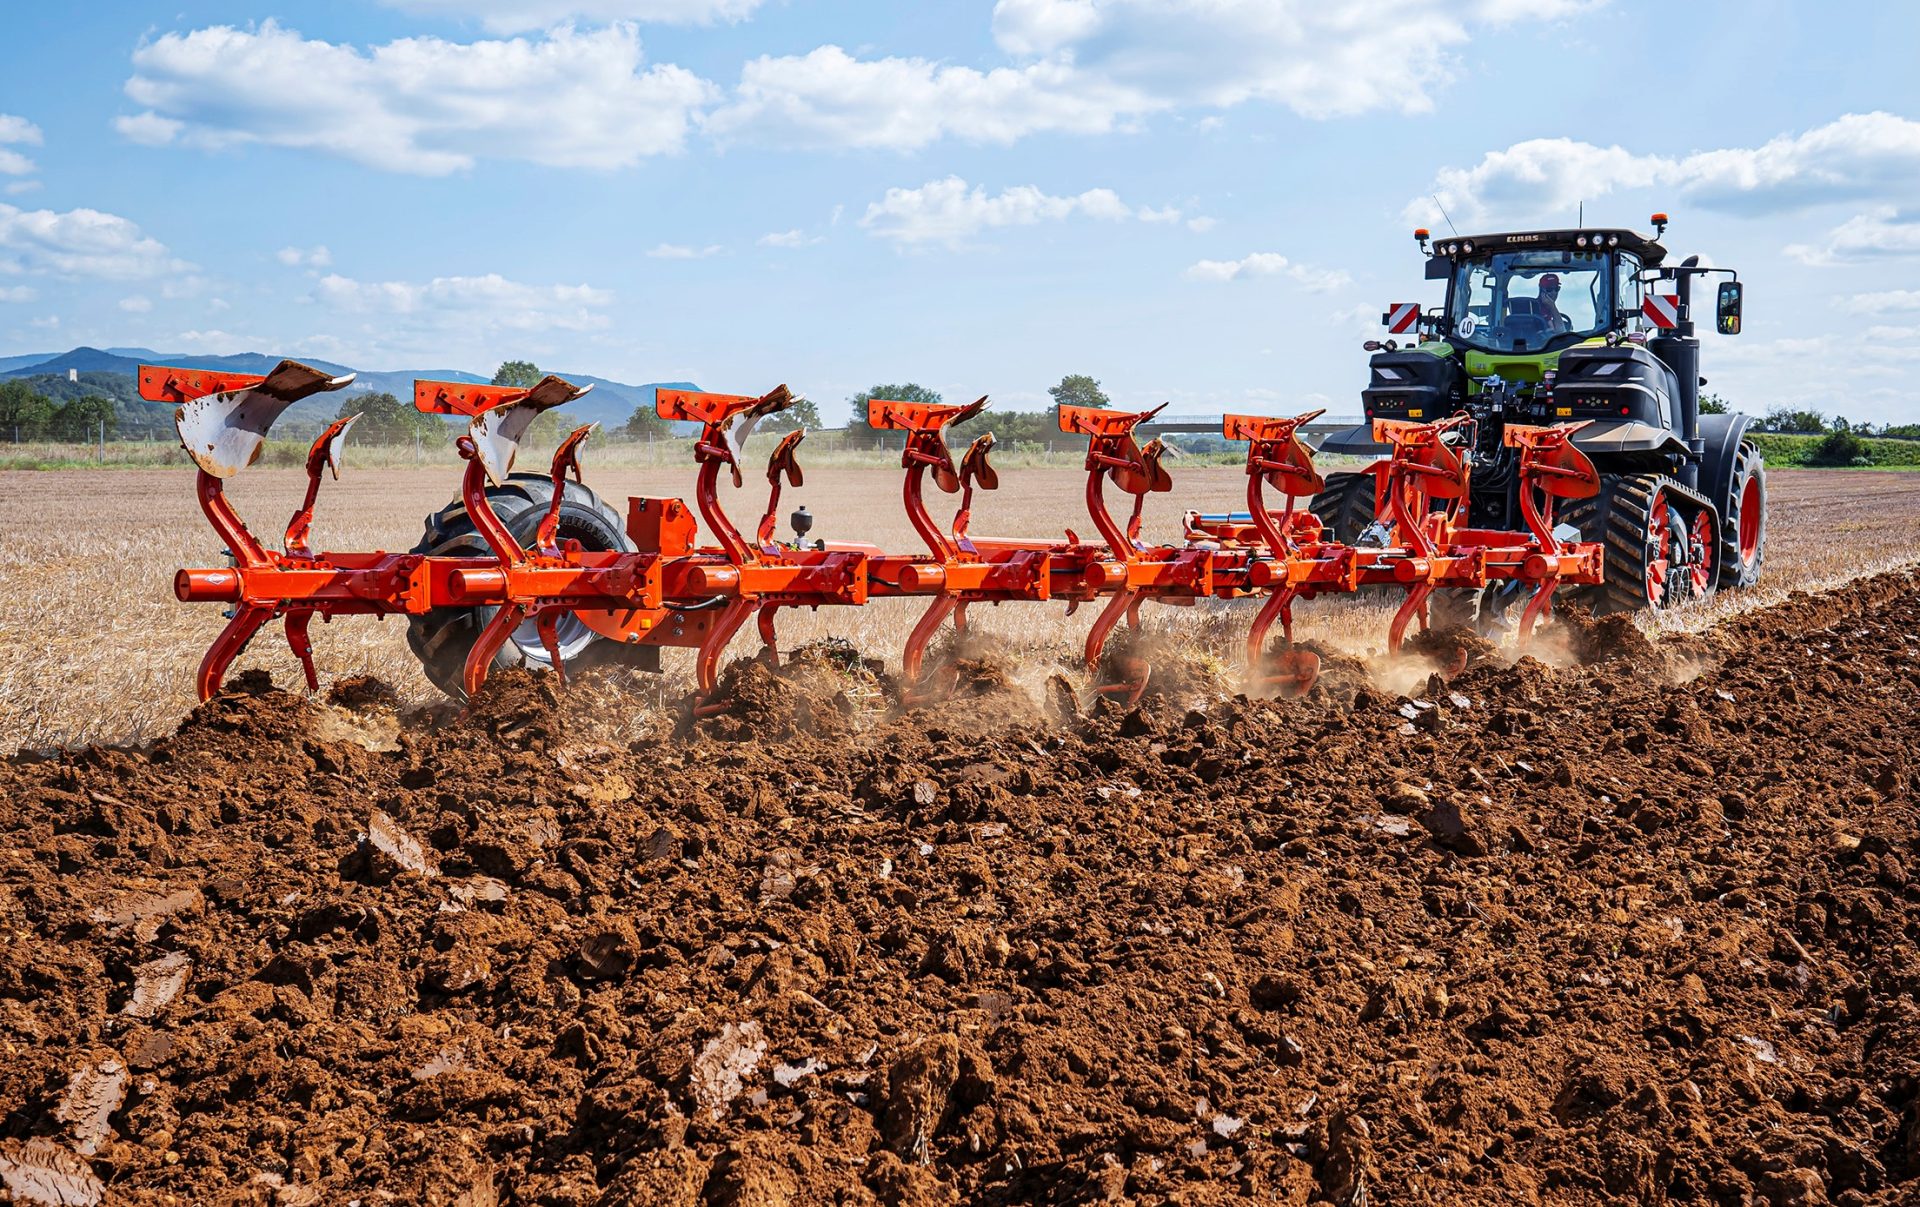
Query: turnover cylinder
{"x": 206, "y": 586}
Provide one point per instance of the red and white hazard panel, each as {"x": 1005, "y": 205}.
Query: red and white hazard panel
{"x": 1662, "y": 310}
{"x": 1401, "y": 316}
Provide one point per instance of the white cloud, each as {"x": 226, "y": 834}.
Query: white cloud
{"x": 136, "y": 304}
{"x": 679, "y": 251}
{"x": 517, "y": 16}
{"x": 214, "y": 342}
{"x": 828, "y": 98}
{"x": 1506, "y": 12}
{"x": 17, "y": 293}
{"x": 792, "y": 238}
{"x": 1856, "y": 157}
{"x": 1093, "y": 66}
{"x": 1880, "y": 233}
{"x": 16, "y": 130}
{"x": 421, "y": 105}
{"x": 1883, "y": 302}
{"x": 316, "y": 256}
{"x": 1270, "y": 264}
{"x": 17, "y": 187}
{"x": 79, "y": 243}
{"x": 1318, "y": 59}
{"x": 949, "y": 211}
{"x": 471, "y": 304}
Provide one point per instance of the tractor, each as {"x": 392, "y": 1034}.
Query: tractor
{"x": 1594, "y": 327}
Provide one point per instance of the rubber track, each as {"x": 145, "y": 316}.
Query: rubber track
{"x": 1617, "y": 517}
{"x": 1346, "y": 505}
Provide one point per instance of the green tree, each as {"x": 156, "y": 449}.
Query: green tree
{"x": 384, "y": 419}
{"x": 802, "y": 414}
{"x": 1840, "y": 447}
{"x": 1076, "y": 390}
{"x": 79, "y": 420}
{"x": 1713, "y": 404}
{"x": 1786, "y": 419}
{"x": 646, "y": 424}
{"x": 25, "y": 413}
{"x": 521, "y": 374}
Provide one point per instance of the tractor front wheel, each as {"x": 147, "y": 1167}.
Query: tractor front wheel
{"x": 1743, "y": 537}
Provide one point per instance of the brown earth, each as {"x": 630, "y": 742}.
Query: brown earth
{"x": 1638, "y": 931}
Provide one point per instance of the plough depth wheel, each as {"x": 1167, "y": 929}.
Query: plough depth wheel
{"x": 442, "y": 637}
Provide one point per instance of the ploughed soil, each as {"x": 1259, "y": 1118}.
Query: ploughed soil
{"x": 1643, "y": 930}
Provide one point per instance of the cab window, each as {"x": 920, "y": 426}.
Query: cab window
{"x": 1530, "y": 301}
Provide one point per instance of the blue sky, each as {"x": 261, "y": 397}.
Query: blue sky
{"x": 1202, "y": 201}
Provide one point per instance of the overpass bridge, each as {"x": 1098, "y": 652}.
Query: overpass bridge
{"x": 1210, "y": 425}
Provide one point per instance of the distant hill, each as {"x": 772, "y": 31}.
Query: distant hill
{"x": 110, "y": 371}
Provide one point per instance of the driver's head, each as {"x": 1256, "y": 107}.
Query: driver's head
{"x": 1550, "y": 285}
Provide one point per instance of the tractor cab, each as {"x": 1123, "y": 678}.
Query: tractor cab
{"x": 1530, "y": 294}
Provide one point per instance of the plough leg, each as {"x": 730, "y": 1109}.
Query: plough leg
{"x": 1292, "y": 671}
{"x": 707, "y": 664}
{"x": 1137, "y": 670}
{"x": 546, "y": 625}
{"x": 302, "y": 645}
{"x": 930, "y": 621}
{"x": 227, "y": 646}
{"x": 1415, "y": 605}
{"x": 769, "y": 640}
{"x": 489, "y": 643}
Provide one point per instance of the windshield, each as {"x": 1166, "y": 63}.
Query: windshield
{"x": 1525, "y": 300}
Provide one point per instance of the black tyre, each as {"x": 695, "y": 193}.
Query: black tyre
{"x": 442, "y": 638}
{"x": 1345, "y": 507}
{"x": 1489, "y": 611}
{"x": 1661, "y": 549}
{"x": 1457, "y": 608}
{"x": 1743, "y": 532}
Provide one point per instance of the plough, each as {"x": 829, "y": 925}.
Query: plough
{"x": 658, "y": 584}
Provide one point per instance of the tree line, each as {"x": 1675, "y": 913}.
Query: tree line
{"x": 26, "y": 414}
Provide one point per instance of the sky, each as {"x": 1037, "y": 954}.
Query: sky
{"x": 1202, "y": 202}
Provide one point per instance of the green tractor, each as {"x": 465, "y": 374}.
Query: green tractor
{"x": 1562, "y": 326}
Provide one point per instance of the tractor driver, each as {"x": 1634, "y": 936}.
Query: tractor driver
{"x": 1550, "y": 307}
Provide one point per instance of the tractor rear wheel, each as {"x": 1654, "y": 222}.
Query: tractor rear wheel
{"x": 441, "y": 638}
{"x": 1743, "y": 534}
{"x": 1345, "y": 507}
{"x": 1661, "y": 549}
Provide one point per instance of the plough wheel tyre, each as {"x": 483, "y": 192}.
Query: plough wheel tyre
{"x": 1622, "y": 518}
{"x": 442, "y": 637}
{"x": 1743, "y": 527}
{"x": 1345, "y": 507}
